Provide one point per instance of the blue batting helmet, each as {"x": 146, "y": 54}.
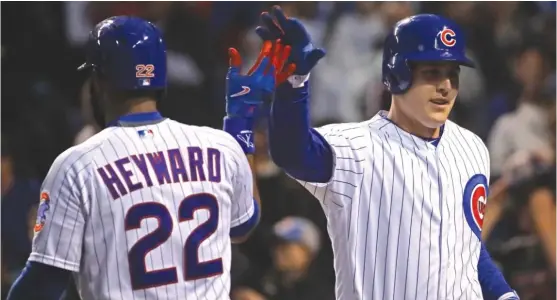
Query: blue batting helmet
{"x": 420, "y": 38}
{"x": 129, "y": 52}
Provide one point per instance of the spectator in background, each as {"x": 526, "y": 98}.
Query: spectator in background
{"x": 348, "y": 79}
{"x": 281, "y": 197}
{"x": 520, "y": 218}
{"x": 520, "y": 142}
{"x": 522, "y": 238}
{"x": 297, "y": 244}
{"x": 508, "y": 24}
{"x": 525, "y": 130}
{"x": 349, "y": 52}
{"x": 512, "y": 25}
{"x": 20, "y": 197}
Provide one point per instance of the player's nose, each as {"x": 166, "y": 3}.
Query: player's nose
{"x": 444, "y": 86}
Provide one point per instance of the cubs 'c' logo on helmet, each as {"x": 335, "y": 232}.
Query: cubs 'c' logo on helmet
{"x": 474, "y": 202}
{"x": 447, "y": 36}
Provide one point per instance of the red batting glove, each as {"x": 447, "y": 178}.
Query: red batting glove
{"x": 278, "y": 53}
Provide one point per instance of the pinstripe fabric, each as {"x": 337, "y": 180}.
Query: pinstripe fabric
{"x": 85, "y": 228}
{"x": 396, "y": 211}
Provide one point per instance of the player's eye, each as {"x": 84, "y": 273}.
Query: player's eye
{"x": 439, "y": 74}
{"x": 455, "y": 79}
{"x": 431, "y": 73}
{"x": 454, "y": 73}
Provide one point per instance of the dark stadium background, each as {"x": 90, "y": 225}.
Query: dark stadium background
{"x": 504, "y": 101}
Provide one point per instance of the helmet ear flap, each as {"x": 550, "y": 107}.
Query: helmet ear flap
{"x": 399, "y": 75}
{"x": 404, "y": 74}
{"x": 389, "y": 79}
{"x": 394, "y": 84}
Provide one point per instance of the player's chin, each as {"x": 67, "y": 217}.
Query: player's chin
{"x": 437, "y": 118}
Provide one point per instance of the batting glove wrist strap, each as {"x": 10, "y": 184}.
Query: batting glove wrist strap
{"x": 292, "y": 93}
{"x": 241, "y": 130}
{"x": 297, "y": 81}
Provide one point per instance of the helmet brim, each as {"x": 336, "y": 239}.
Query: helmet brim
{"x": 440, "y": 56}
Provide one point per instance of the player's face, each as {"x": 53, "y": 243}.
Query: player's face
{"x": 432, "y": 95}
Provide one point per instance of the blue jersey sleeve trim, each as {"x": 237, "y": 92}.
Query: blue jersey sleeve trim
{"x": 245, "y": 228}
{"x": 491, "y": 280}
{"x": 39, "y": 281}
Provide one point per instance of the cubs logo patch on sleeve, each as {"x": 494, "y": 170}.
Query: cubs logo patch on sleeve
{"x": 474, "y": 202}
{"x": 44, "y": 206}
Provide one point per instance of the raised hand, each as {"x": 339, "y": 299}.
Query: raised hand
{"x": 291, "y": 32}
{"x": 246, "y": 93}
{"x": 281, "y": 53}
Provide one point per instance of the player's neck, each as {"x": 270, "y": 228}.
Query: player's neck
{"x": 410, "y": 124}
{"x": 140, "y": 105}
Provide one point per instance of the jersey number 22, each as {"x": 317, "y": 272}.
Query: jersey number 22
{"x": 193, "y": 268}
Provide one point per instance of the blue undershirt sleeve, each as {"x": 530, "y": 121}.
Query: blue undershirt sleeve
{"x": 296, "y": 147}
{"x": 491, "y": 280}
{"x": 39, "y": 281}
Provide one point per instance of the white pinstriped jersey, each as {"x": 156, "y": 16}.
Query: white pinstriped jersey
{"x": 145, "y": 212}
{"x": 404, "y": 216}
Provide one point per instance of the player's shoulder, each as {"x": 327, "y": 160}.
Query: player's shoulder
{"x": 96, "y": 141}
{"x": 380, "y": 125}
{"x": 211, "y": 136}
{"x": 466, "y": 136}
{"x": 342, "y": 130}
{"x": 83, "y": 154}
{"x": 77, "y": 158}
{"x": 208, "y": 133}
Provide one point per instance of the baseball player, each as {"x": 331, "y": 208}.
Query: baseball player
{"x": 147, "y": 208}
{"x": 405, "y": 192}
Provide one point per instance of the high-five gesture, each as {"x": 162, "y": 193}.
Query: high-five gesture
{"x": 291, "y": 32}
{"x": 245, "y": 93}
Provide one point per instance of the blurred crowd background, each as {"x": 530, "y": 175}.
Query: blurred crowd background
{"x": 509, "y": 101}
